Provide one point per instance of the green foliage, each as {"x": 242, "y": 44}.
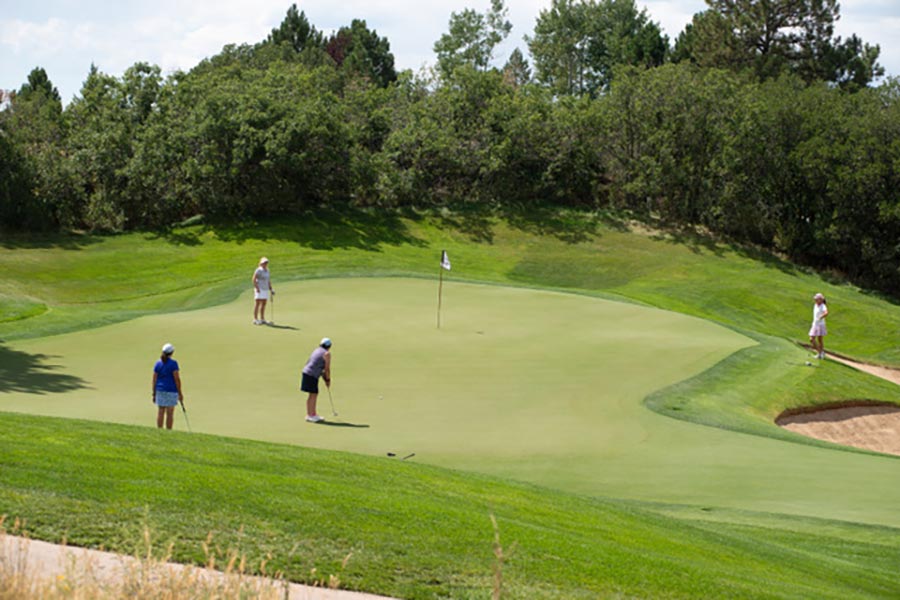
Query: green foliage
{"x": 471, "y": 40}
{"x": 39, "y": 84}
{"x": 577, "y": 44}
{"x": 362, "y": 53}
{"x": 296, "y": 32}
{"x": 777, "y": 37}
{"x": 516, "y": 71}
{"x": 294, "y": 124}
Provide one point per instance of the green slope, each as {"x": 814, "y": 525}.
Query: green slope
{"x": 414, "y": 531}
{"x": 532, "y": 385}
{"x": 88, "y": 280}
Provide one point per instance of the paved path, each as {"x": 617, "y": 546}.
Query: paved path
{"x": 44, "y": 561}
{"x": 892, "y": 375}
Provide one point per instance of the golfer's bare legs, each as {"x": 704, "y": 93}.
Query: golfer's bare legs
{"x": 311, "y": 405}
{"x": 259, "y": 307}
{"x": 169, "y": 413}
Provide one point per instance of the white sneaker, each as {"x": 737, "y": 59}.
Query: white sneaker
{"x": 314, "y": 419}
{"x": 822, "y": 355}
{"x": 256, "y": 321}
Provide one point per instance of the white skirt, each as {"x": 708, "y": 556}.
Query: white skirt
{"x": 261, "y": 294}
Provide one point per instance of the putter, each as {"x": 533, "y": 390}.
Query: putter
{"x": 331, "y": 401}
{"x": 186, "y": 420}
{"x": 272, "y": 322}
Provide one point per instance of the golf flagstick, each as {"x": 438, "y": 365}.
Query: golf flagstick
{"x": 445, "y": 264}
{"x": 186, "y": 420}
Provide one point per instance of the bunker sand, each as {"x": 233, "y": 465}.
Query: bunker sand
{"x": 860, "y": 425}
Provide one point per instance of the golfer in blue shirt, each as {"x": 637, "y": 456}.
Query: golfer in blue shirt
{"x": 166, "y": 387}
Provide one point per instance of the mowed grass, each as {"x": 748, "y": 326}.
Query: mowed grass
{"x": 89, "y": 280}
{"x": 410, "y": 530}
{"x": 531, "y": 385}
{"x": 691, "y": 537}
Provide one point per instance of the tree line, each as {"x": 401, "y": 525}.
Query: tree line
{"x": 775, "y": 136}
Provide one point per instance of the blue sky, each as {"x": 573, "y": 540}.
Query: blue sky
{"x": 66, "y": 36}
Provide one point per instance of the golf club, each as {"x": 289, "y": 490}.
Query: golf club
{"x": 272, "y": 322}
{"x": 331, "y": 401}
{"x": 186, "y": 420}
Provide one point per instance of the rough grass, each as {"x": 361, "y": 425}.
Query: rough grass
{"x": 414, "y": 531}
{"x": 148, "y": 574}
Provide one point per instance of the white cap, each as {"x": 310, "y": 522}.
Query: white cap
{"x": 325, "y": 343}
{"x": 263, "y": 260}
{"x": 168, "y": 349}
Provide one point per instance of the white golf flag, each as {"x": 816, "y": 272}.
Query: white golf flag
{"x": 445, "y": 260}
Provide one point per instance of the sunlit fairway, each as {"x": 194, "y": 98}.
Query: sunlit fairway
{"x": 533, "y": 385}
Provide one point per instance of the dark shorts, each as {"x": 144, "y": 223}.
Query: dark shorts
{"x": 309, "y": 384}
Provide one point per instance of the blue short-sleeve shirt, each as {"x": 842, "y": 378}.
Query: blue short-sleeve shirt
{"x": 165, "y": 375}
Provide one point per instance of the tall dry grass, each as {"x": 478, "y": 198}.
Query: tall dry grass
{"x": 144, "y": 576}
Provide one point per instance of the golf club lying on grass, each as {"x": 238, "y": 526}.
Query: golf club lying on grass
{"x": 186, "y": 420}
{"x": 393, "y": 454}
{"x": 331, "y": 401}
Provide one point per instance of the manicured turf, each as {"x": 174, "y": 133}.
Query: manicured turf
{"x": 89, "y": 280}
{"x": 497, "y": 391}
{"x": 413, "y": 531}
{"x": 536, "y": 386}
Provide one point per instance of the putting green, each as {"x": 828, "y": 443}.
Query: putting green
{"x": 533, "y": 385}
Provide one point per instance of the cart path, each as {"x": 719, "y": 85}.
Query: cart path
{"x": 43, "y": 561}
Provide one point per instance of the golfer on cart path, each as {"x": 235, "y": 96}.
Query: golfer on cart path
{"x": 318, "y": 365}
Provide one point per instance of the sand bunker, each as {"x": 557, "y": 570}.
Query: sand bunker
{"x": 863, "y": 425}
{"x": 868, "y": 425}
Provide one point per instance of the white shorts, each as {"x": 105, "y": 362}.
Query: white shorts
{"x": 261, "y": 294}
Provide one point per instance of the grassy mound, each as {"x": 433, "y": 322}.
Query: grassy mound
{"x": 91, "y": 280}
{"x": 413, "y": 531}
{"x": 531, "y": 385}
{"x": 421, "y": 531}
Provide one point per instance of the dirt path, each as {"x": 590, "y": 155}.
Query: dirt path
{"x": 873, "y": 427}
{"x": 44, "y": 562}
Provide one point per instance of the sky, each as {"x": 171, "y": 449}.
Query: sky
{"x": 66, "y": 36}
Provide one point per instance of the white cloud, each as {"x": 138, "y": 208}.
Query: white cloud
{"x": 65, "y": 37}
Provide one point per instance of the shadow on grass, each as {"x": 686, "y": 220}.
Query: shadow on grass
{"x": 566, "y": 225}
{"x": 322, "y": 229}
{"x": 33, "y": 374}
{"x": 271, "y": 325}
{"x": 698, "y": 241}
{"x": 62, "y": 241}
{"x": 342, "y": 424}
